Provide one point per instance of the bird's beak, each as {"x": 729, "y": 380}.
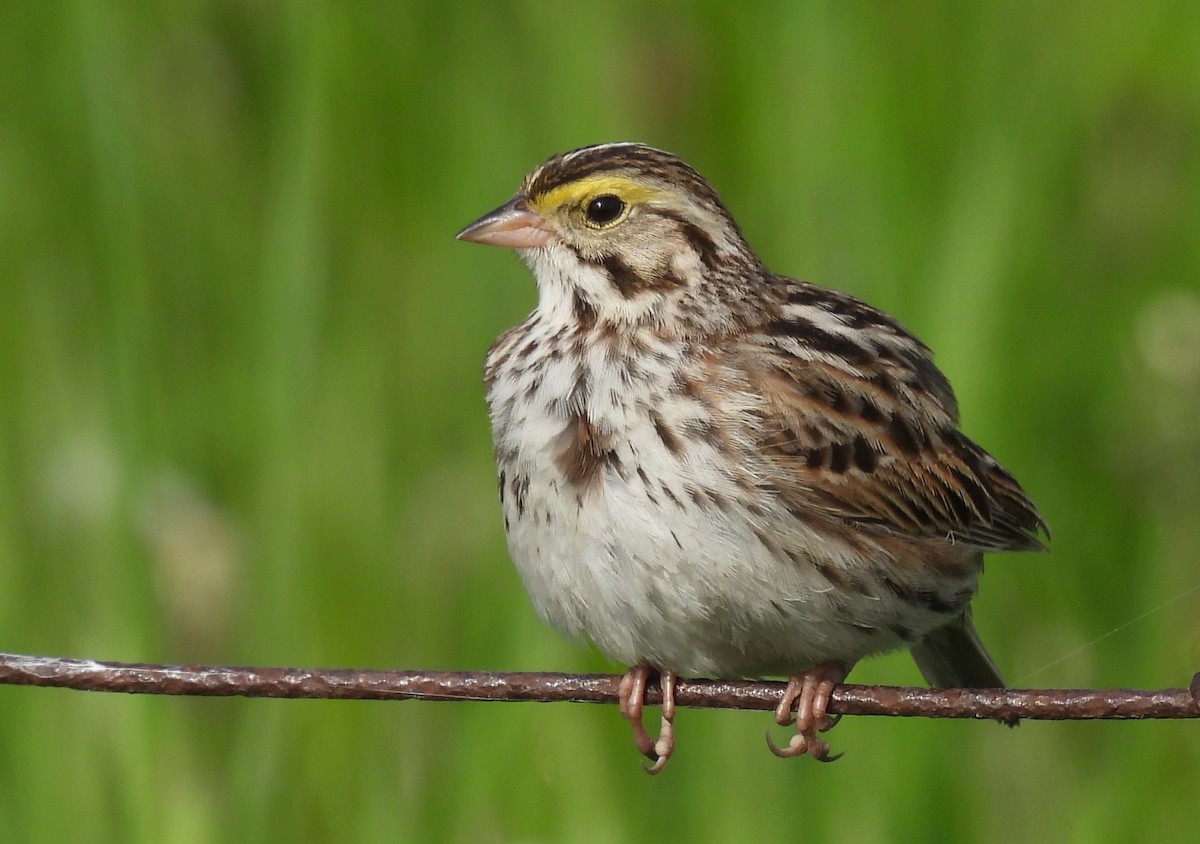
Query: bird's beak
{"x": 512, "y": 224}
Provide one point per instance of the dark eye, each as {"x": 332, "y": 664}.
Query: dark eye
{"x": 604, "y": 209}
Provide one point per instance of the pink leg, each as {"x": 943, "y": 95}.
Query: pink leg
{"x": 809, "y": 691}
{"x": 632, "y": 698}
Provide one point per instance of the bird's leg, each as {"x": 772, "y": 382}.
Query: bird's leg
{"x": 808, "y": 692}
{"x": 631, "y": 695}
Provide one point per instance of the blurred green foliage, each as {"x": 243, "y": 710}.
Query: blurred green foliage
{"x": 242, "y": 415}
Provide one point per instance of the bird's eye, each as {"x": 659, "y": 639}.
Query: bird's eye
{"x": 604, "y": 209}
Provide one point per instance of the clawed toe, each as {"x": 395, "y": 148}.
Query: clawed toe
{"x": 808, "y": 693}
{"x": 805, "y": 703}
{"x": 801, "y": 744}
{"x": 631, "y": 695}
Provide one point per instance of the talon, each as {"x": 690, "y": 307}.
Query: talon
{"x": 631, "y": 698}
{"x": 797, "y": 746}
{"x": 809, "y": 692}
{"x": 658, "y": 765}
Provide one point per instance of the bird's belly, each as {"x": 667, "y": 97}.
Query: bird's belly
{"x": 664, "y": 560}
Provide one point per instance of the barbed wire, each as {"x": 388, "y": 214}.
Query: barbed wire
{"x": 365, "y": 684}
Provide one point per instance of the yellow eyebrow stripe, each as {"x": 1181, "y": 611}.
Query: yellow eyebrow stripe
{"x": 575, "y": 193}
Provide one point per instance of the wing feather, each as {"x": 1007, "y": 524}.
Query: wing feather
{"x": 863, "y": 429}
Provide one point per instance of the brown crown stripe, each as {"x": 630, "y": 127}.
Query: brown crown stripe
{"x": 578, "y": 164}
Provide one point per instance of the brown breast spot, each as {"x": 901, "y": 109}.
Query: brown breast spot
{"x": 582, "y": 453}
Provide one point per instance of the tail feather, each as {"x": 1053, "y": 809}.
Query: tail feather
{"x": 953, "y": 657}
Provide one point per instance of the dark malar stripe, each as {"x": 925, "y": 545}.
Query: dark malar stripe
{"x": 622, "y": 276}
{"x": 629, "y": 282}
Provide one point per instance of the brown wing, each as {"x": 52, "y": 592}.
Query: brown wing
{"x": 861, "y": 427}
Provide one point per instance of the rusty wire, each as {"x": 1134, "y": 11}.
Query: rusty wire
{"x": 344, "y": 684}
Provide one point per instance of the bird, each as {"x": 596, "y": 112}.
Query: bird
{"x": 706, "y": 468}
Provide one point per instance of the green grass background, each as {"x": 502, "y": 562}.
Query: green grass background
{"x": 241, "y": 418}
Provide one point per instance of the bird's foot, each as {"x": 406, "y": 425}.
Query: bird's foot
{"x": 632, "y": 698}
{"x": 808, "y": 693}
